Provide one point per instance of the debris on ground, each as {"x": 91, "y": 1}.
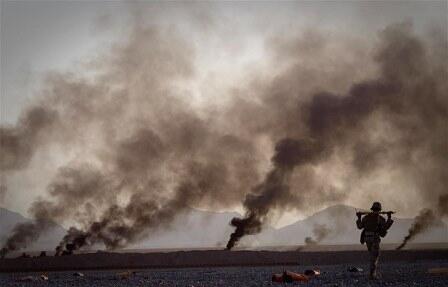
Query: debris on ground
{"x": 30, "y": 278}
{"x": 437, "y": 271}
{"x": 288, "y": 277}
{"x": 395, "y": 274}
{"x": 125, "y": 274}
{"x": 354, "y": 269}
{"x": 311, "y": 272}
{"x": 27, "y": 279}
{"x": 43, "y": 277}
{"x": 78, "y": 274}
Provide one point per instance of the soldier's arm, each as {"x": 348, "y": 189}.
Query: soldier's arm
{"x": 359, "y": 222}
{"x": 389, "y": 221}
{"x": 385, "y": 224}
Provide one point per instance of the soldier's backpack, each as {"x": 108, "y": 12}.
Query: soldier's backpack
{"x": 372, "y": 223}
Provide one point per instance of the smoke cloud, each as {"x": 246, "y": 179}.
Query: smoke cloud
{"x": 426, "y": 219}
{"x": 422, "y": 222}
{"x": 22, "y": 235}
{"x": 408, "y": 94}
{"x": 17, "y": 144}
{"x": 3, "y": 189}
{"x": 320, "y": 232}
{"x": 139, "y": 152}
{"x": 442, "y": 206}
{"x": 274, "y": 191}
{"x": 143, "y": 155}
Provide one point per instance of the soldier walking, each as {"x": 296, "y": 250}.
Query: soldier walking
{"x": 374, "y": 227}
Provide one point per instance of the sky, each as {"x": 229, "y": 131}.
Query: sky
{"x": 41, "y": 37}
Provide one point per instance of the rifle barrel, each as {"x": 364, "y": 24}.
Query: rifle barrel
{"x": 381, "y": 212}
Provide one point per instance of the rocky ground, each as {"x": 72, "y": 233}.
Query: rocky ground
{"x": 392, "y": 274}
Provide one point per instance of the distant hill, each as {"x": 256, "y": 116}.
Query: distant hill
{"x": 207, "y": 229}
{"x": 211, "y": 229}
{"x": 340, "y": 220}
{"x": 49, "y": 240}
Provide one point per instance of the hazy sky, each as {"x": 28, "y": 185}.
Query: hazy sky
{"x": 42, "y": 36}
{"x": 38, "y": 36}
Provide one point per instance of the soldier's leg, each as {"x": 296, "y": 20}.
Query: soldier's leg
{"x": 374, "y": 256}
{"x": 369, "y": 244}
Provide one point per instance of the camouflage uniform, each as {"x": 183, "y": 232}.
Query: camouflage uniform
{"x": 375, "y": 227}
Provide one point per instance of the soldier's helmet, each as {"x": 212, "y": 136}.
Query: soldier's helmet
{"x": 376, "y": 206}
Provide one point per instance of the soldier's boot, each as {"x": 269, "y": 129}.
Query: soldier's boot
{"x": 373, "y": 275}
{"x": 373, "y": 269}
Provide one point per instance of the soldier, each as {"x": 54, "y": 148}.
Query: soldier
{"x": 374, "y": 227}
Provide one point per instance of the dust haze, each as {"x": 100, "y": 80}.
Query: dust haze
{"x": 139, "y": 152}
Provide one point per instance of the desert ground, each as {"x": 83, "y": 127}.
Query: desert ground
{"x": 392, "y": 274}
{"x": 225, "y": 268}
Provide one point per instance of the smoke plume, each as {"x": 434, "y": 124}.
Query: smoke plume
{"x": 137, "y": 151}
{"x": 274, "y": 191}
{"x": 320, "y": 232}
{"x": 17, "y": 144}
{"x": 422, "y": 222}
{"x": 142, "y": 154}
{"x": 3, "y": 189}
{"x": 442, "y": 206}
{"x": 426, "y": 219}
{"x": 409, "y": 93}
{"x": 22, "y": 234}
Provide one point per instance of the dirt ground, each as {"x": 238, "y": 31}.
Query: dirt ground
{"x": 392, "y": 274}
{"x": 209, "y": 258}
{"x": 208, "y": 268}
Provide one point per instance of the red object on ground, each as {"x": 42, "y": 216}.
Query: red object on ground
{"x": 288, "y": 276}
{"x": 312, "y": 272}
{"x": 277, "y": 278}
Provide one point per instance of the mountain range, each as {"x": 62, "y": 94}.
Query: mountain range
{"x": 207, "y": 229}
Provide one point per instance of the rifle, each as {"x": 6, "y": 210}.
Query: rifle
{"x": 359, "y": 213}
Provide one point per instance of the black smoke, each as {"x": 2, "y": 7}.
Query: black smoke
{"x": 274, "y": 192}
{"x": 409, "y": 93}
{"x": 423, "y": 221}
{"x": 137, "y": 153}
